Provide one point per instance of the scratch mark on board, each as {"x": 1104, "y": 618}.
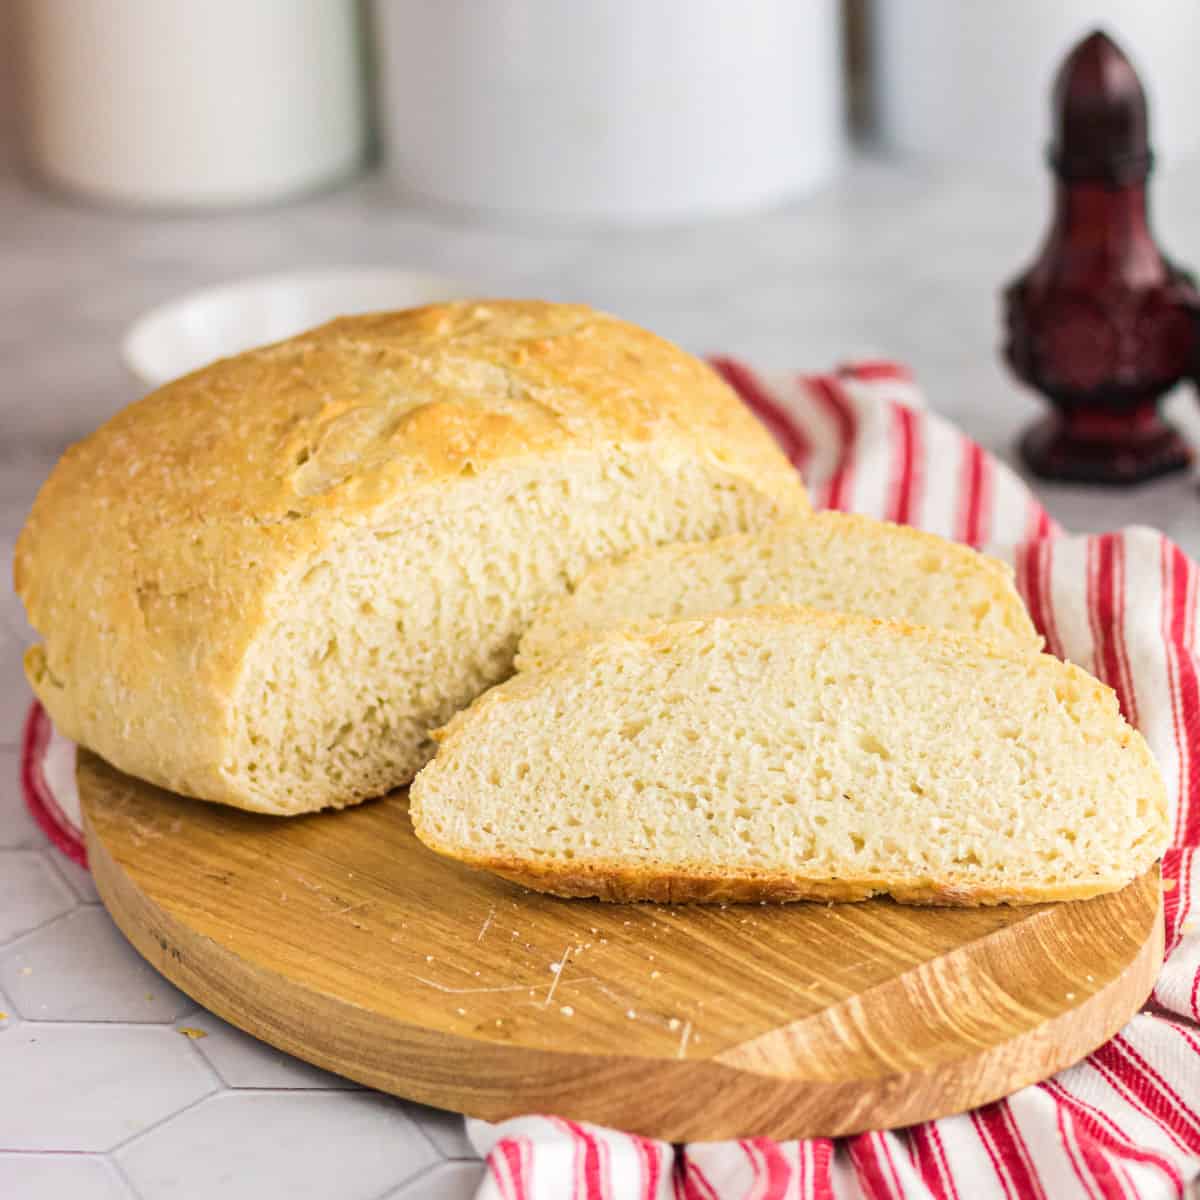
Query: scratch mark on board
{"x": 683, "y": 1039}
{"x": 558, "y": 968}
{"x": 487, "y": 921}
{"x": 453, "y": 991}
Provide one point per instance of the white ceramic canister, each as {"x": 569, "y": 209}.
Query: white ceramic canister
{"x": 610, "y": 110}
{"x": 192, "y": 103}
{"x": 970, "y": 82}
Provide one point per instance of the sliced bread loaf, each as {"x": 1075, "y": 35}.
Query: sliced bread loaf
{"x": 265, "y": 583}
{"x": 835, "y": 561}
{"x": 784, "y": 754}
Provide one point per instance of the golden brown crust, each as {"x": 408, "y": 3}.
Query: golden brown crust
{"x": 621, "y": 883}
{"x": 156, "y": 548}
{"x": 353, "y": 414}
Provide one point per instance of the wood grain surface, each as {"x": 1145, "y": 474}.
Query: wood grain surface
{"x": 340, "y": 939}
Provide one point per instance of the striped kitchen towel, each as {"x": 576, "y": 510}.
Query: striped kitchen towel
{"x": 1124, "y": 1123}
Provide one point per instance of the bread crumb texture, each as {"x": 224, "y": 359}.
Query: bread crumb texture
{"x": 836, "y": 561}
{"x": 265, "y": 583}
{"x": 783, "y": 753}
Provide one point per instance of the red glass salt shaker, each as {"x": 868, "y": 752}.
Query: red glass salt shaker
{"x": 1102, "y": 324}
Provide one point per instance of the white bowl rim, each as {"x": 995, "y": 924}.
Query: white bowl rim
{"x": 143, "y": 332}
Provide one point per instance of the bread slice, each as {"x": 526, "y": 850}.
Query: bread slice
{"x": 265, "y": 583}
{"x": 787, "y": 754}
{"x": 836, "y": 561}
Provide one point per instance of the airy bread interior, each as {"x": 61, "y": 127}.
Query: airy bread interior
{"x": 835, "y": 561}
{"x": 784, "y": 753}
{"x": 399, "y": 625}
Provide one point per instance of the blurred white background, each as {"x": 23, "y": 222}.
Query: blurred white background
{"x": 892, "y": 256}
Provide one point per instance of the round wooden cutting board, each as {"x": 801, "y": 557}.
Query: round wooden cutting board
{"x": 342, "y": 940}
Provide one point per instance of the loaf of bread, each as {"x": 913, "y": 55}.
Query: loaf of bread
{"x": 265, "y": 583}
{"x": 785, "y": 754}
{"x": 835, "y": 561}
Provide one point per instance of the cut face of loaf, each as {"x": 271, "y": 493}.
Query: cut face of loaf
{"x": 266, "y": 583}
{"x": 839, "y": 562}
{"x": 395, "y": 629}
{"x": 786, "y": 754}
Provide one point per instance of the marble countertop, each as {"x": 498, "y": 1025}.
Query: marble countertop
{"x": 100, "y": 1095}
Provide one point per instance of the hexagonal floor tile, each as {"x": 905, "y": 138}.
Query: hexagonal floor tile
{"x": 83, "y": 969}
{"x": 303, "y": 1145}
{"x": 55, "y": 1176}
{"x": 17, "y": 828}
{"x": 30, "y": 893}
{"x": 91, "y": 1087}
{"x": 243, "y": 1061}
{"x": 450, "y": 1181}
{"x": 79, "y": 878}
{"x": 446, "y": 1130}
